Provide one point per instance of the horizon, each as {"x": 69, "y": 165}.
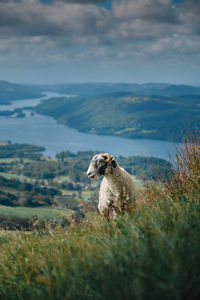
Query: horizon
{"x": 81, "y": 41}
{"x": 98, "y": 82}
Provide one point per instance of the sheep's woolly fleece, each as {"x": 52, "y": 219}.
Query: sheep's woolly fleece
{"x": 116, "y": 193}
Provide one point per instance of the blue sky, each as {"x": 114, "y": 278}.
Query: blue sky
{"x": 58, "y": 41}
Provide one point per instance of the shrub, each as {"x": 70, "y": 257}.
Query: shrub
{"x": 184, "y": 179}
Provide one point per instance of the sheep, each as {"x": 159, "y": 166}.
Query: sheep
{"x": 116, "y": 194}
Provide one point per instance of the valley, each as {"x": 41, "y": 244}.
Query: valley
{"x": 34, "y": 186}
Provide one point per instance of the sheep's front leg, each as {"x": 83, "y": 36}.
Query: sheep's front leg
{"x": 110, "y": 213}
{"x": 107, "y": 209}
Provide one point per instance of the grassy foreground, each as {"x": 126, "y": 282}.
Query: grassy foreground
{"x": 153, "y": 253}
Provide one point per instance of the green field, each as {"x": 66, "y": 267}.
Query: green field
{"x": 42, "y": 213}
{"x": 21, "y": 178}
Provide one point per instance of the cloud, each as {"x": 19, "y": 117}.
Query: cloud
{"x": 170, "y": 46}
{"x": 32, "y": 18}
{"x": 128, "y": 19}
{"x": 189, "y": 12}
{"x": 149, "y": 19}
{"x": 82, "y": 1}
{"x": 29, "y": 27}
{"x": 161, "y": 11}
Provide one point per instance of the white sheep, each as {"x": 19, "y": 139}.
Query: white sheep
{"x": 116, "y": 193}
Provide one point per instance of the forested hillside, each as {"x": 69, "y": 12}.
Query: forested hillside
{"x": 127, "y": 110}
{"x": 128, "y": 115}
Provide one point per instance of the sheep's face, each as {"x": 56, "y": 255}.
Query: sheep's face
{"x": 101, "y": 164}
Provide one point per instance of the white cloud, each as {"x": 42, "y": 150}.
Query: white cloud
{"x": 82, "y": 1}
{"x": 159, "y": 10}
{"x": 177, "y": 44}
{"x": 51, "y": 32}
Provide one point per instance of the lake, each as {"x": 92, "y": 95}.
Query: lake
{"x": 45, "y": 131}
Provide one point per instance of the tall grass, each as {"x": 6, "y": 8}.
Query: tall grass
{"x": 153, "y": 253}
{"x": 186, "y": 178}
{"x": 184, "y": 181}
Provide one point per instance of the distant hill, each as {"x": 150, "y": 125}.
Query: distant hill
{"x": 155, "y": 111}
{"x": 95, "y": 89}
{"x": 128, "y": 114}
{"x": 12, "y": 91}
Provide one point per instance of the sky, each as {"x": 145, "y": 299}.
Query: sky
{"x": 133, "y": 41}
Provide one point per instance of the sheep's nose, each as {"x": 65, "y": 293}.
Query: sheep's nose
{"x": 89, "y": 173}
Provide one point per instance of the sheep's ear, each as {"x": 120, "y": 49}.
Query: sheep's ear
{"x": 113, "y": 163}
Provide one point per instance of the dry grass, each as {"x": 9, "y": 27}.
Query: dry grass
{"x": 185, "y": 179}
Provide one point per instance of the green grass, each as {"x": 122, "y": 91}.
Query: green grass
{"x": 9, "y": 160}
{"x": 138, "y": 182}
{"x": 15, "y": 159}
{"x": 87, "y": 194}
{"x": 61, "y": 179}
{"x": 151, "y": 254}
{"x": 43, "y": 213}
{"x": 21, "y": 178}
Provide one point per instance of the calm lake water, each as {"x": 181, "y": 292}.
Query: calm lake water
{"x": 45, "y": 131}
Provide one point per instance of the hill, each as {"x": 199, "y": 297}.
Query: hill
{"x": 12, "y": 91}
{"x": 128, "y": 115}
{"x": 99, "y": 89}
{"x": 127, "y": 110}
{"x": 151, "y": 253}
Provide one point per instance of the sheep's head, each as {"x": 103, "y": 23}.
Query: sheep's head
{"x": 101, "y": 164}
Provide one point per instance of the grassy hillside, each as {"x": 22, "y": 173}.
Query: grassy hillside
{"x": 152, "y": 253}
{"x": 127, "y": 114}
